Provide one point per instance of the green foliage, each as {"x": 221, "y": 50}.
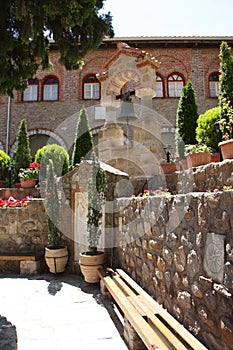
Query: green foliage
{"x": 4, "y": 161}
{"x": 83, "y": 145}
{"x": 57, "y": 154}
{"x": 52, "y": 207}
{"x": 226, "y": 75}
{"x": 22, "y": 155}
{"x": 196, "y": 148}
{"x": 226, "y": 121}
{"x": 186, "y": 119}
{"x": 97, "y": 190}
{"x": 26, "y": 27}
{"x": 206, "y": 131}
{"x": 226, "y": 91}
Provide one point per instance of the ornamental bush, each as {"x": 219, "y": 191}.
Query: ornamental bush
{"x": 206, "y": 131}
{"x": 59, "y": 157}
{"x": 4, "y": 161}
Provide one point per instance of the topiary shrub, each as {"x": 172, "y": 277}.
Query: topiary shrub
{"x": 4, "y": 161}
{"x": 57, "y": 154}
{"x": 83, "y": 144}
{"x": 205, "y": 131}
{"x": 22, "y": 154}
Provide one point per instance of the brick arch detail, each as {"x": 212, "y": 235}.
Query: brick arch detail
{"x": 119, "y": 79}
{"x": 49, "y": 133}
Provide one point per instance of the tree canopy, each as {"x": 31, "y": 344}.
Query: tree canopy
{"x": 26, "y": 27}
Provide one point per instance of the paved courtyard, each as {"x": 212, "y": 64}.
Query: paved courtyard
{"x": 60, "y": 312}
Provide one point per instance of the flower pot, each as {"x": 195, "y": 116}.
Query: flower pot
{"x": 2, "y": 183}
{"x": 56, "y": 259}
{"x": 168, "y": 168}
{"x": 226, "y": 149}
{"x": 89, "y": 265}
{"x": 29, "y": 183}
{"x": 200, "y": 158}
{"x": 215, "y": 157}
{"x": 183, "y": 164}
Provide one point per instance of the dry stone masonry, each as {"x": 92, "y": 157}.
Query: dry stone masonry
{"x": 179, "y": 248}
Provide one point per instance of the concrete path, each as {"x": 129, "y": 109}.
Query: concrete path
{"x": 60, "y": 312}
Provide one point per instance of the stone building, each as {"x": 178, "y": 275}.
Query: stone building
{"x": 152, "y": 69}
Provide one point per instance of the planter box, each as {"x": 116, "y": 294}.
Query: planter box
{"x": 196, "y": 159}
{"x": 168, "y": 168}
{"x": 226, "y": 149}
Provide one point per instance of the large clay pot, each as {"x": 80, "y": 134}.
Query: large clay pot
{"x": 200, "y": 158}
{"x": 226, "y": 149}
{"x": 29, "y": 183}
{"x": 89, "y": 265}
{"x": 168, "y": 168}
{"x": 56, "y": 259}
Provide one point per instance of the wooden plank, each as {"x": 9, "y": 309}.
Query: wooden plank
{"x": 18, "y": 257}
{"x": 148, "y": 336}
{"x": 156, "y": 323}
{"x": 156, "y": 308}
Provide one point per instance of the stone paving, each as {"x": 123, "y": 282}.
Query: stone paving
{"x": 60, "y": 312}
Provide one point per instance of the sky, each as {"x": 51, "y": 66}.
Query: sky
{"x": 133, "y": 18}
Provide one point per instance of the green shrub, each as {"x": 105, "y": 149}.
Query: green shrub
{"x": 22, "y": 155}
{"x": 4, "y": 161}
{"x": 57, "y": 154}
{"x": 205, "y": 131}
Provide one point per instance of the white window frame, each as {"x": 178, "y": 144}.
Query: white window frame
{"x": 91, "y": 91}
{"x": 159, "y": 86}
{"x": 31, "y": 93}
{"x": 50, "y": 91}
{"x": 175, "y": 85}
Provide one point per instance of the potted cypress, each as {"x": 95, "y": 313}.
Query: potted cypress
{"x": 56, "y": 254}
{"x": 92, "y": 259}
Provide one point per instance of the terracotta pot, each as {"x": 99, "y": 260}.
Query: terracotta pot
{"x": 28, "y": 183}
{"x": 215, "y": 157}
{"x": 89, "y": 265}
{"x": 184, "y": 164}
{"x": 196, "y": 159}
{"x": 168, "y": 168}
{"x": 2, "y": 183}
{"x": 226, "y": 149}
{"x": 56, "y": 259}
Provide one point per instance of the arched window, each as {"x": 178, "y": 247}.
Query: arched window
{"x": 175, "y": 85}
{"x": 159, "y": 86}
{"x": 50, "y": 89}
{"x": 31, "y": 92}
{"x": 214, "y": 84}
{"x": 91, "y": 88}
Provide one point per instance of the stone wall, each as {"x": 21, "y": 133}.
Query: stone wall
{"x": 22, "y": 230}
{"x": 179, "y": 248}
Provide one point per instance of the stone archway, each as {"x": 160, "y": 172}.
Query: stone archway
{"x": 39, "y": 138}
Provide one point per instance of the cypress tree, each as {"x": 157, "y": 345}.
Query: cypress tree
{"x": 22, "y": 155}
{"x": 83, "y": 145}
{"x": 225, "y": 77}
{"x": 186, "y": 119}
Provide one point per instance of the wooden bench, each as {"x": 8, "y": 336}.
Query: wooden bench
{"x": 154, "y": 327}
{"x": 29, "y": 262}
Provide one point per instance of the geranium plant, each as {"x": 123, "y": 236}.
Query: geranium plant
{"x": 30, "y": 173}
{"x": 158, "y": 192}
{"x": 11, "y": 202}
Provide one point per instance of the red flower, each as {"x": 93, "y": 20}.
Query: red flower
{"x": 34, "y": 165}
